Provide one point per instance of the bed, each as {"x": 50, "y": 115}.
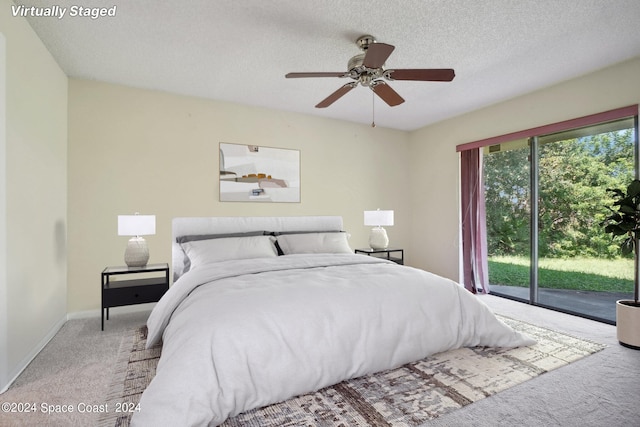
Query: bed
{"x": 263, "y": 309}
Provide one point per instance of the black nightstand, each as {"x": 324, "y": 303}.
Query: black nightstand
{"x": 386, "y": 254}
{"x": 150, "y": 287}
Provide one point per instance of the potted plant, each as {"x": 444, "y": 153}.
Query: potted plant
{"x": 624, "y": 220}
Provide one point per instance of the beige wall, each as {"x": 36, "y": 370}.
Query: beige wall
{"x": 434, "y": 161}
{"x": 118, "y": 134}
{"x": 35, "y": 196}
{"x": 133, "y": 150}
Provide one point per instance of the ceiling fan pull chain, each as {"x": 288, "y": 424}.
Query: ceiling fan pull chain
{"x": 373, "y": 109}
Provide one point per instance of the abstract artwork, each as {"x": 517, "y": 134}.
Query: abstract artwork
{"x": 254, "y": 173}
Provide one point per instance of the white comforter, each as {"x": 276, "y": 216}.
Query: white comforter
{"x": 243, "y": 334}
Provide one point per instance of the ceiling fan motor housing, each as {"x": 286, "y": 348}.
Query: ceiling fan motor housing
{"x": 362, "y": 74}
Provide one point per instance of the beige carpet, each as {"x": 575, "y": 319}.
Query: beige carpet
{"x": 407, "y": 396}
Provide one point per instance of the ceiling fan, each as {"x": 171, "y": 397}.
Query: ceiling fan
{"x": 368, "y": 69}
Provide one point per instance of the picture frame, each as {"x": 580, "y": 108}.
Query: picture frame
{"x": 256, "y": 173}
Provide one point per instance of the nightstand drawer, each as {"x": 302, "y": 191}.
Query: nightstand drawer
{"x": 118, "y": 295}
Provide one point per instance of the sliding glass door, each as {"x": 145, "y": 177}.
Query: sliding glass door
{"x": 545, "y": 198}
{"x": 508, "y": 216}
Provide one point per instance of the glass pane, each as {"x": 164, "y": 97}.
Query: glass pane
{"x": 580, "y": 268}
{"x": 506, "y": 181}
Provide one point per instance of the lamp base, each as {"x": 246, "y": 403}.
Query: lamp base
{"x": 378, "y": 238}
{"x": 137, "y": 252}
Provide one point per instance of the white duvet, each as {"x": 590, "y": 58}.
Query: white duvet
{"x": 243, "y": 334}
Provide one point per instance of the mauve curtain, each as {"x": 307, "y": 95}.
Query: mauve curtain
{"x": 474, "y": 226}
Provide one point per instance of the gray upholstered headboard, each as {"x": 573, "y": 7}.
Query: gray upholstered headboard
{"x": 188, "y": 226}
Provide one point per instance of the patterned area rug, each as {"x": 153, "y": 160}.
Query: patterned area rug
{"x": 406, "y": 396}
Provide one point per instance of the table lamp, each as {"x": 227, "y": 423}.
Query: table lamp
{"x": 378, "y": 238}
{"x": 137, "y": 252}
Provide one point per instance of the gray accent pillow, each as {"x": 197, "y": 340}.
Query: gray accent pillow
{"x": 191, "y": 238}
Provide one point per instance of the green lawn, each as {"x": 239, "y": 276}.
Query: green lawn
{"x": 587, "y": 274}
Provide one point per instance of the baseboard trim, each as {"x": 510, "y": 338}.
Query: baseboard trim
{"x": 34, "y": 352}
{"x": 88, "y": 314}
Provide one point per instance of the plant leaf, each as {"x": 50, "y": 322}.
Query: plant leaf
{"x": 615, "y": 229}
{"x": 627, "y": 246}
{"x": 628, "y": 209}
{"x": 633, "y": 189}
{"x": 617, "y": 192}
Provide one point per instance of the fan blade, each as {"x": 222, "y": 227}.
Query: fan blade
{"x": 387, "y": 94}
{"x": 336, "y": 95}
{"x": 377, "y": 54}
{"x": 427, "y": 74}
{"x": 320, "y": 74}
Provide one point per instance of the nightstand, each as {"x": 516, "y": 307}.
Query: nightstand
{"x": 144, "y": 284}
{"x": 397, "y": 257}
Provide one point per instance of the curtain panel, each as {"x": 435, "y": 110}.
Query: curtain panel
{"x": 474, "y": 226}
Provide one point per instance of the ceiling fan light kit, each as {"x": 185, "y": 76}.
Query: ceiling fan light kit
{"x": 367, "y": 69}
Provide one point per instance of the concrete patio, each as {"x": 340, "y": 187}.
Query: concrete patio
{"x": 600, "y": 306}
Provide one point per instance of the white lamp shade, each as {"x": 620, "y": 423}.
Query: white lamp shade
{"x": 378, "y": 218}
{"x": 136, "y": 225}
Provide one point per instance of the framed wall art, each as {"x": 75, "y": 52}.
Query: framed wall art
{"x": 254, "y": 173}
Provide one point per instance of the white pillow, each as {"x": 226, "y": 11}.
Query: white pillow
{"x": 314, "y": 243}
{"x": 229, "y": 248}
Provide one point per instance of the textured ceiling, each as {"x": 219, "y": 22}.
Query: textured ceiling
{"x": 240, "y": 50}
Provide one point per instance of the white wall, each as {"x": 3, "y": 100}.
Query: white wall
{"x": 4, "y": 362}
{"x": 435, "y": 163}
{"x": 35, "y": 157}
{"x": 133, "y": 150}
